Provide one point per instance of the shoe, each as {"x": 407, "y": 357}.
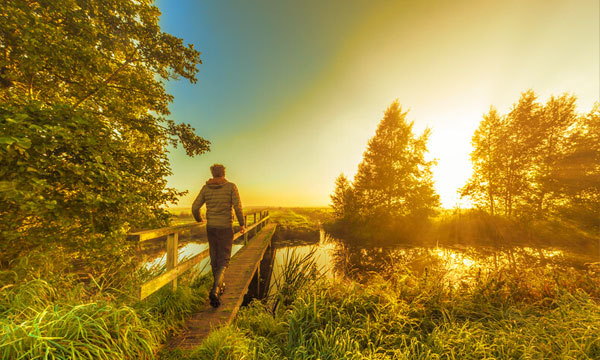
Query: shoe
{"x": 214, "y": 300}
{"x": 218, "y": 287}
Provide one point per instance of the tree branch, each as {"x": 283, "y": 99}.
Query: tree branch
{"x": 105, "y": 82}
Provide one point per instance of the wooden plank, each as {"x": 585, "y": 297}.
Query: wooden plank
{"x": 154, "y": 233}
{"x": 237, "y": 279}
{"x": 162, "y": 280}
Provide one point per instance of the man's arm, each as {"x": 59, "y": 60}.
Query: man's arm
{"x": 197, "y": 205}
{"x": 237, "y": 206}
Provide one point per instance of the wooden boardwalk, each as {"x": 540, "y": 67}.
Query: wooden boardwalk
{"x": 242, "y": 268}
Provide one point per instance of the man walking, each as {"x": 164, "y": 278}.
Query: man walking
{"x": 220, "y": 197}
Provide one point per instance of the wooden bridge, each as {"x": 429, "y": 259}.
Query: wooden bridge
{"x": 243, "y": 275}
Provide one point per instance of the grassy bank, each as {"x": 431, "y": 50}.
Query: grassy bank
{"x": 71, "y": 320}
{"x": 466, "y": 228}
{"x": 530, "y": 314}
{"x": 299, "y": 223}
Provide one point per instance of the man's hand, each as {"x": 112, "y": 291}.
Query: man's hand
{"x": 242, "y": 229}
{"x": 197, "y": 216}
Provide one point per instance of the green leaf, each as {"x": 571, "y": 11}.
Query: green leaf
{"x": 7, "y": 140}
{"x": 7, "y": 185}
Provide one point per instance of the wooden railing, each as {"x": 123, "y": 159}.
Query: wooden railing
{"x": 173, "y": 268}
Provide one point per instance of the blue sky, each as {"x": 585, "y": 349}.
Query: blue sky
{"x": 290, "y": 92}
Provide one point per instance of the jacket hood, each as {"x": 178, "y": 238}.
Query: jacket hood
{"x": 216, "y": 183}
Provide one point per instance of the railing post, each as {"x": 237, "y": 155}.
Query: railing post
{"x": 172, "y": 255}
{"x": 259, "y": 219}
{"x": 254, "y": 218}
{"x": 246, "y": 233}
{"x": 258, "y": 279}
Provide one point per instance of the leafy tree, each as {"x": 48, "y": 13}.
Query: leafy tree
{"x": 577, "y": 174}
{"x": 557, "y": 116}
{"x": 504, "y": 148}
{"x": 394, "y": 179}
{"x": 538, "y": 160}
{"x": 521, "y": 132}
{"x": 484, "y": 186}
{"x": 83, "y": 121}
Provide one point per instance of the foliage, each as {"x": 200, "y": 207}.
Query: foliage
{"x": 536, "y": 313}
{"x": 82, "y": 117}
{"x": 539, "y": 160}
{"x": 577, "y": 174}
{"x": 487, "y": 140}
{"x": 40, "y": 320}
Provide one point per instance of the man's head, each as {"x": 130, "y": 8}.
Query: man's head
{"x": 217, "y": 170}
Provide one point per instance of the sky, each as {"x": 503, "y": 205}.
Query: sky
{"x": 289, "y": 92}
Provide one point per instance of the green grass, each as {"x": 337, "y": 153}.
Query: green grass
{"x": 527, "y": 313}
{"x": 302, "y": 224}
{"x": 532, "y": 314}
{"x": 308, "y": 218}
{"x": 45, "y": 321}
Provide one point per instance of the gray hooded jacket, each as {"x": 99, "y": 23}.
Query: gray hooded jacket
{"x": 220, "y": 197}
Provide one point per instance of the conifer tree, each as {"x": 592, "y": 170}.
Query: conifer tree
{"x": 394, "y": 179}
{"x": 342, "y": 199}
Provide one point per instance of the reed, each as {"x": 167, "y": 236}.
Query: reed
{"x": 297, "y": 272}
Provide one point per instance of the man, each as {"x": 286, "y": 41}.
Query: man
{"x": 220, "y": 197}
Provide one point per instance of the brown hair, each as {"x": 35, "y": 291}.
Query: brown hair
{"x": 217, "y": 170}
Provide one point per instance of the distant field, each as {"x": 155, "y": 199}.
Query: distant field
{"x": 288, "y": 217}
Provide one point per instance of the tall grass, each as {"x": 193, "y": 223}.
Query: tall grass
{"x": 532, "y": 314}
{"x": 297, "y": 272}
{"x": 47, "y": 321}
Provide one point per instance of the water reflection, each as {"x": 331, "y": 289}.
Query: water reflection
{"x": 340, "y": 258}
{"x": 187, "y": 251}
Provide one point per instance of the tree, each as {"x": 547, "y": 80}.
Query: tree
{"x": 394, "y": 179}
{"x": 577, "y": 174}
{"x": 538, "y": 160}
{"x": 503, "y": 155}
{"x": 557, "y": 117}
{"x": 484, "y": 186}
{"x": 342, "y": 199}
{"x": 83, "y": 123}
{"x": 521, "y": 132}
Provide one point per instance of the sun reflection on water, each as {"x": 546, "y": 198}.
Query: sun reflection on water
{"x": 456, "y": 263}
{"x": 187, "y": 251}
